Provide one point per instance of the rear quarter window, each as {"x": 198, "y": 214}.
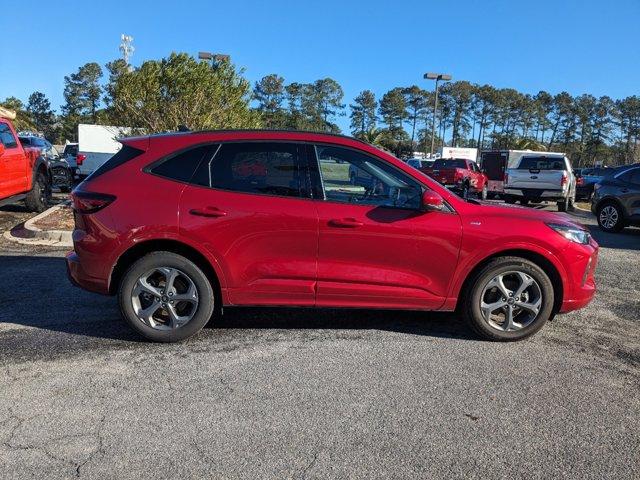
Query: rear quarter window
{"x": 182, "y": 165}
{"x": 125, "y": 154}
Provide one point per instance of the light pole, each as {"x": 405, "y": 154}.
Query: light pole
{"x": 214, "y": 58}
{"x": 437, "y": 77}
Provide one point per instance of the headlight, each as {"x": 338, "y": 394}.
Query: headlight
{"x": 572, "y": 234}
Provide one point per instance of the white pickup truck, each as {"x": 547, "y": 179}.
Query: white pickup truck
{"x": 541, "y": 177}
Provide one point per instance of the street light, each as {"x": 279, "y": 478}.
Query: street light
{"x": 437, "y": 77}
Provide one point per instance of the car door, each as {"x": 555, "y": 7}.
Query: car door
{"x": 629, "y": 193}
{"x": 13, "y": 178}
{"x": 376, "y": 246}
{"x": 253, "y": 213}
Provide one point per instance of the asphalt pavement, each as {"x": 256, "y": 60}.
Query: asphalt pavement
{"x": 284, "y": 393}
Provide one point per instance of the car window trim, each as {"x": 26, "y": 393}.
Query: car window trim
{"x": 302, "y": 164}
{"x": 316, "y": 166}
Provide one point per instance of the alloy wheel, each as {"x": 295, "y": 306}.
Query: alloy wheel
{"x": 511, "y": 301}
{"x": 609, "y": 216}
{"x": 165, "y": 298}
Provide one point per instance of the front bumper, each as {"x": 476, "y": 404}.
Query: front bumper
{"x": 580, "y": 288}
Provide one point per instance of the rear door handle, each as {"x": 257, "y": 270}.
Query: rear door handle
{"x": 211, "y": 212}
{"x": 345, "y": 222}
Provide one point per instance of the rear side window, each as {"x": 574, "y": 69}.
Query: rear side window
{"x": 6, "y": 137}
{"x": 631, "y": 176}
{"x": 182, "y": 165}
{"x": 268, "y": 168}
{"x": 125, "y": 154}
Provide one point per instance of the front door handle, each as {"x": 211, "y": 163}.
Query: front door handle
{"x": 345, "y": 223}
{"x": 211, "y": 212}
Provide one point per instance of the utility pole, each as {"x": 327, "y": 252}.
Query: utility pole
{"x": 437, "y": 77}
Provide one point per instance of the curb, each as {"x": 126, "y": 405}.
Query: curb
{"x": 32, "y": 235}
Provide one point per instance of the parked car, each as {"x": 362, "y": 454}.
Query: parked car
{"x": 24, "y": 174}
{"x": 70, "y": 154}
{"x": 460, "y": 174}
{"x": 616, "y": 199}
{"x": 586, "y": 178}
{"x": 177, "y": 228}
{"x": 61, "y": 173}
{"x": 541, "y": 177}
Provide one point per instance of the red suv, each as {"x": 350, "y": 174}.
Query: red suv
{"x": 179, "y": 225}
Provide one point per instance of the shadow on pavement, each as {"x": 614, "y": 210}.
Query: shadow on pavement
{"x": 627, "y": 239}
{"x": 35, "y": 292}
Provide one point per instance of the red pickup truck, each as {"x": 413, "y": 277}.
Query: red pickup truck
{"x": 24, "y": 174}
{"x": 459, "y": 174}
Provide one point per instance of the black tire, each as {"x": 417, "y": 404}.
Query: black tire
{"x": 484, "y": 193}
{"x": 38, "y": 198}
{"x": 614, "y": 210}
{"x": 472, "y": 299}
{"x": 465, "y": 191}
{"x": 510, "y": 200}
{"x": 563, "y": 205}
{"x": 206, "y": 296}
{"x": 524, "y": 202}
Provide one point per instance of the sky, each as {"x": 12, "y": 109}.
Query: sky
{"x": 588, "y": 46}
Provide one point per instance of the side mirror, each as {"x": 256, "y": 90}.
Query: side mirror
{"x": 1, "y": 149}
{"x": 432, "y": 201}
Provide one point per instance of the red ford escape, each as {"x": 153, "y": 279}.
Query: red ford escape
{"x": 179, "y": 225}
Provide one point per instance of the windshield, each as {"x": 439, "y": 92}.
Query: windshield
{"x": 542, "y": 163}
{"x": 449, "y": 163}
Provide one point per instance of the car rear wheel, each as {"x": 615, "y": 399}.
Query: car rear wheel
{"x": 564, "y": 205}
{"x": 166, "y": 297}
{"x": 484, "y": 193}
{"x": 610, "y": 217}
{"x": 39, "y": 197}
{"x": 510, "y": 299}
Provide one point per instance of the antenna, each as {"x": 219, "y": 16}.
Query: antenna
{"x": 126, "y": 47}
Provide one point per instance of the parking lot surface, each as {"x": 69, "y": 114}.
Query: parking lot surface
{"x": 281, "y": 393}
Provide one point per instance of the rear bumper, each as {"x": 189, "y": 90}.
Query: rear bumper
{"x": 80, "y": 278}
{"x": 536, "y": 193}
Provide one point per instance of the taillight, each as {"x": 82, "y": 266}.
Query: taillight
{"x": 80, "y": 158}
{"x": 90, "y": 202}
{"x": 563, "y": 180}
{"x": 580, "y": 181}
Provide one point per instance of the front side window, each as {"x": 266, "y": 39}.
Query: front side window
{"x": 6, "y": 137}
{"x": 350, "y": 176}
{"x": 631, "y": 176}
{"x": 268, "y": 168}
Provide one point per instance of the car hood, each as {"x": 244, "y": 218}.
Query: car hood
{"x": 526, "y": 213}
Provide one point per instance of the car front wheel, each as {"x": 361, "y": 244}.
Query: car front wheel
{"x": 610, "y": 217}
{"x": 166, "y": 297}
{"x": 510, "y": 299}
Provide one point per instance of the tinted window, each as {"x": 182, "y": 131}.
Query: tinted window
{"x": 631, "y": 176}
{"x": 125, "y": 154}
{"x": 6, "y": 137}
{"x": 257, "y": 167}
{"x": 70, "y": 150}
{"x": 181, "y": 166}
{"x": 541, "y": 163}
{"x": 449, "y": 163}
{"x": 355, "y": 177}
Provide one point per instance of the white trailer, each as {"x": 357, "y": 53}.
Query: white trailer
{"x": 97, "y": 144}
